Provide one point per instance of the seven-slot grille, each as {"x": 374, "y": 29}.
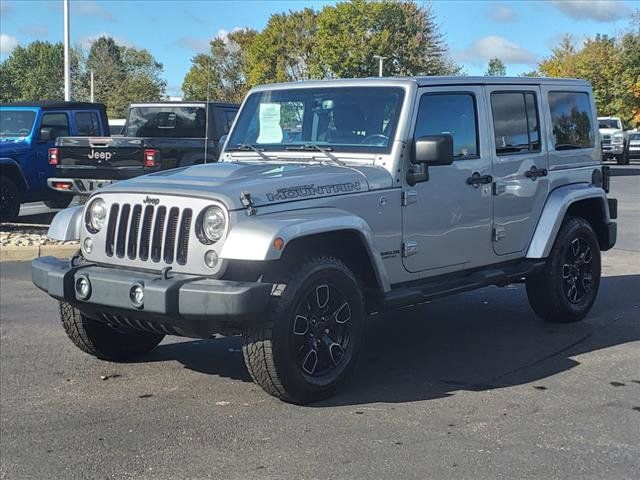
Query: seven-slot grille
{"x": 606, "y": 139}
{"x": 148, "y": 233}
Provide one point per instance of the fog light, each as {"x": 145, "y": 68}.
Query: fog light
{"x": 87, "y": 245}
{"x": 211, "y": 259}
{"x": 83, "y": 287}
{"x": 136, "y": 295}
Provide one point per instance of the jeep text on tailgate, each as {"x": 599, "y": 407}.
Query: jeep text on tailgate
{"x": 336, "y": 199}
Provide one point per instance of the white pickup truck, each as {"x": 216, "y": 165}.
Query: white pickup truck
{"x": 614, "y": 139}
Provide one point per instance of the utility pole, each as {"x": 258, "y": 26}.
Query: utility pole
{"x": 380, "y": 59}
{"x": 67, "y": 60}
{"x": 91, "y": 94}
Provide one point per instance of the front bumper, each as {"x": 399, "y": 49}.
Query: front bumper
{"x": 612, "y": 149}
{"x": 183, "y": 305}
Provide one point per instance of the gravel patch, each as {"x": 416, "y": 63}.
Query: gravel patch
{"x": 12, "y": 235}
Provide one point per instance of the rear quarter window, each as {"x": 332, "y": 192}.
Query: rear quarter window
{"x": 571, "y": 120}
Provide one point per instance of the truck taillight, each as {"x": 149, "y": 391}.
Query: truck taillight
{"x": 53, "y": 156}
{"x": 151, "y": 157}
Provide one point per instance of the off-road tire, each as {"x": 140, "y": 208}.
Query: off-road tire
{"x": 60, "y": 201}
{"x": 9, "y": 200}
{"x": 268, "y": 349}
{"x": 546, "y": 291}
{"x": 100, "y": 340}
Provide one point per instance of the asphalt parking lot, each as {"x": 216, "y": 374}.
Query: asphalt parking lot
{"x": 472, "y": 386}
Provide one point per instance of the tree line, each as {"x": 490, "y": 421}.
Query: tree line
{"x": 122, "y": 74}
{"x": 339, "y": 41}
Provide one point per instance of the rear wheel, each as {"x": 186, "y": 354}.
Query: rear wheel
{"x": 566, "y": 290}
{"x": 101, "y": 340}
{"x": 312, "y": 335}
{"x": 9, "y": 200}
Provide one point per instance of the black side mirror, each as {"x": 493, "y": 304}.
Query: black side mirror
{"x": 433, "y": 150}
{"x": 45, "y": 135}
{"x": 429, "y": 150}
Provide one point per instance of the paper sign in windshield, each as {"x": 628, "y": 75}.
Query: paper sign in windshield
{"x": 270, "y": 130}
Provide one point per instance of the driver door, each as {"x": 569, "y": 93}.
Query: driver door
{"x": 447, "y": 219}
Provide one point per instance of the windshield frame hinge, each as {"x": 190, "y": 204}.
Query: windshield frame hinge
{"x": 247, "y": 203}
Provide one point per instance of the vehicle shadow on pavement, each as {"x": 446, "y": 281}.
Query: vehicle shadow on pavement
{"x": 624, "y": 172}
{"x": 476, "y": 341}
{"x": 481, "y": 341}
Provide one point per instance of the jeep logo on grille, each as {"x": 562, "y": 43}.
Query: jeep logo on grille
{"x": 151, "y": 201}
{"x": 99, "y": 155}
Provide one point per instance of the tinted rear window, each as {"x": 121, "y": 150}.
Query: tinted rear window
{"x": 166, "y": 121}
{"x": 571, "y": 120}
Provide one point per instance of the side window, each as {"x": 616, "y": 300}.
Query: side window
{"x": 57, "y": 122}
{"x": 229, "y": 117}
{"x": 516, "y": 123}
{"x": 88, "y": 124}
{"x": 453, "y": 114}
{"x": 571, "y": 120}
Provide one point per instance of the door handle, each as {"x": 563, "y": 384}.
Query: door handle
{"x": 476, "y": 179}
{"x": 536, "y": 172}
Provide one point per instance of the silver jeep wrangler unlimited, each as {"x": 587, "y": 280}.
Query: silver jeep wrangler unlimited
{"x": 336, "y": 199}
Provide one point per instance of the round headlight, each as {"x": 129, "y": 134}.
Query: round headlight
{"x": 213, "y": 223}
{"x": 96, "y": 215}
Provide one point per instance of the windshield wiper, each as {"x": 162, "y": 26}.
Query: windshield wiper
{"x": 326, "y": 151}
{"x": 248, "y": 146}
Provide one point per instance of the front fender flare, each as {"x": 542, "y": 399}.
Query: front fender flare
{"x": 253, "y": 238}
{"x": 67, "y": 224}
{"x": 554, "y": 211}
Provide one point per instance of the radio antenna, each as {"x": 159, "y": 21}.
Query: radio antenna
{"x": 206, "y": 112}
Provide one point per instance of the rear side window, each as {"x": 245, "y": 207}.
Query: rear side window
{"x": 57, "y": 122}
{"x": 453, "y": 114}
{"x": 515, "y": 122}
{"x": 229, "y": 117}
{"x": 88, "y": 124}
{"x": 571, "y": 120}
{"x": 166, "y": 121}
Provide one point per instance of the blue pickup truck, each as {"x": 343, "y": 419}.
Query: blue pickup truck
{"x": 27, "y": 132}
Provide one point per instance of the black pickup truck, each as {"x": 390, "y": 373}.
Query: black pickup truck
{"x": 157, "y": 136}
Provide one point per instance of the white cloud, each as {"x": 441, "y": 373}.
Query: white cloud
{"x": 7, "y": 43}
{"x": 224, "y": 34}
{"x": 86, "y": 42}
{"x": 598, "y": 10}
{"x": 493, "y": 46}
{"x": 500, "y": 12}
{"x": 197, "y": 45}
{"x": 92, "y": 9}
{"x": 35, "y": 31}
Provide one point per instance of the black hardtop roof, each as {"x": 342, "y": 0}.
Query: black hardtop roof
{"x": 56, "y": 105}
{"x": 184, "y": 102}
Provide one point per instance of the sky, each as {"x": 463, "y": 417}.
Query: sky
{"x": 520, "y": 33}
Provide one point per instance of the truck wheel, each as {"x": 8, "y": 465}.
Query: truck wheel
{"x": 61, "y": 201}
{"x": 9, "y": 200}
{"x": 311, "y": 336}
{"x": 566, "y": 289}
{"x": 102, "y": 341}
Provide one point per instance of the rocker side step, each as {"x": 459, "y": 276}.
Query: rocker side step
{"x": 450, "y": 284}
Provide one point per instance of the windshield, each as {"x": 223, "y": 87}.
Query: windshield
{"x": 16, "y": 123}
{"x": 358, "y": 119}
{"x": 608, "y": 123}
{"x": 166, "y": 121}
{"x": 634, "y": 136}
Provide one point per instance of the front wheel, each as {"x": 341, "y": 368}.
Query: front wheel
{"x": 312, "y": 334}
{"x": 101, "y": 340}
{"x": 567, "y": 288}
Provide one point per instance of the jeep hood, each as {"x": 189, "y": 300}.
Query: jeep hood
{"x": 268, "y": 183}
{"x": 609, "y": 131}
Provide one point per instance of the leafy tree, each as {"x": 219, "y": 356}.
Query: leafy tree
{"x": 221, "y": 73}
{"x": 532, "y": 73}
{"x": 36, "y": 72}
{"x": 496, "y": 68}
{"x": 350, "y": 33}
{"x": 286, "y": 49}
{"x": 122, "y": 75}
